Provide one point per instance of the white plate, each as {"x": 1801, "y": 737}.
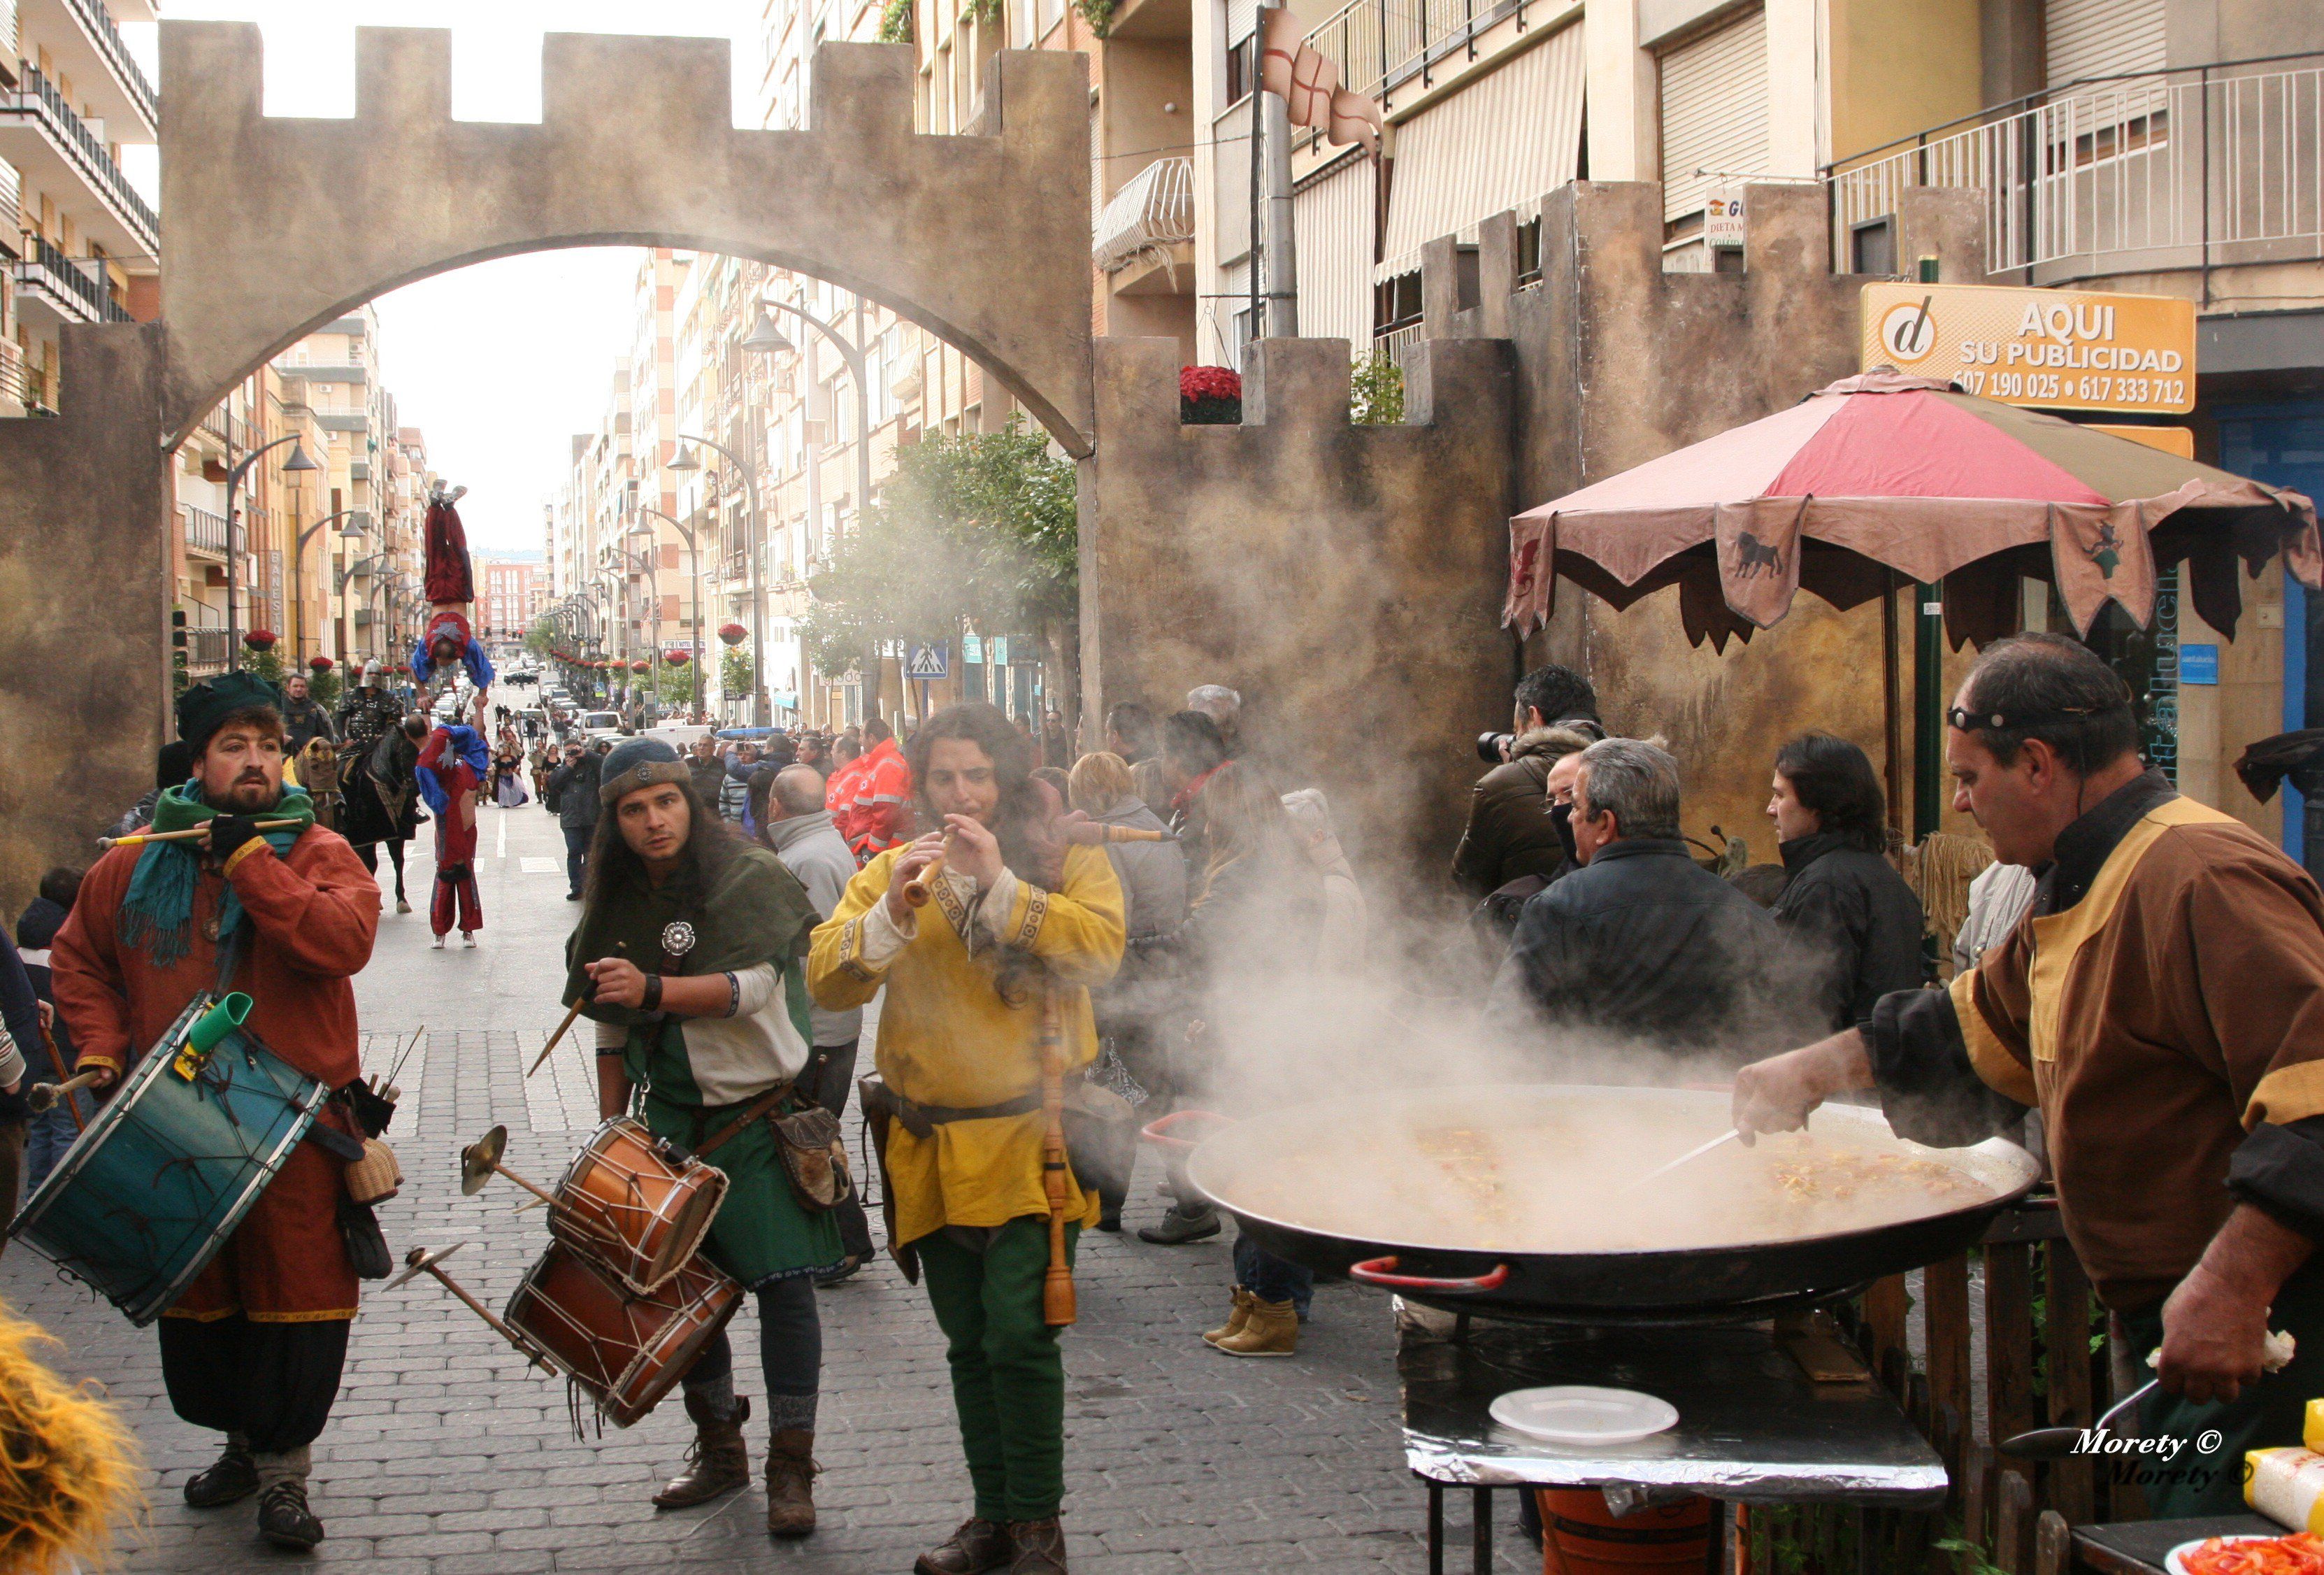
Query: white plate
{"x": 2176, "y": 1564}
{"x": 1580, "y": 1413}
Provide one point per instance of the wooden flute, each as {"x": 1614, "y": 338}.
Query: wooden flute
{"x": 189, "y": 834}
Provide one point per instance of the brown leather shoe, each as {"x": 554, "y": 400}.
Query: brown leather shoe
{"x": 790, "y": 1483}
{"x": 977, "y": 1546}
{"x": 1036, "y": 1547}
{"x": 717, "y": 1463}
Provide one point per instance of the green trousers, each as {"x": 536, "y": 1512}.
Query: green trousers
{"x": 1007, "y": 1374}
{"x": 2205, "y": 1475}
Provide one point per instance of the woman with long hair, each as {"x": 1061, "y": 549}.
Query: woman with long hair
{"x": 987, "y": 977}
{"x": 1858, "y": 922}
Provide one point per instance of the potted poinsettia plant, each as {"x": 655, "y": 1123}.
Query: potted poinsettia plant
{"x": 1210, "y": 396}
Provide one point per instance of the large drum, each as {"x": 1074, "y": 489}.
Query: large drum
{"x": 146, "y": 1196}
{"x": 626, "y": 1351}
{"x": 636, "y": 1204}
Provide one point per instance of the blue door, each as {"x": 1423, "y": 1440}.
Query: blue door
{"x": 2283, "y": 446}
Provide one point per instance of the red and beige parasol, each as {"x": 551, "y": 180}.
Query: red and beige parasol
{"x": 1884, "y": 472}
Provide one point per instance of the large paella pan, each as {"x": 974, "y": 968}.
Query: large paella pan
{"x": 1525, "y": 1201}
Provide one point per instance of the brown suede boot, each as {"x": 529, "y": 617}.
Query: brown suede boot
{"x": 977, "y": 1546}
{"x": 1037, "y": 1547}
{"x": 1272, "y": 1330}
{"x": 790, "y": 1483}
{"x": 1237, "y": 1318}
{"x": 719, "y": 1462}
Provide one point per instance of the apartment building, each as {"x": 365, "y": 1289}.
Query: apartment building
{"x": 86, "y": 244}
{"x": 512, "y": 591}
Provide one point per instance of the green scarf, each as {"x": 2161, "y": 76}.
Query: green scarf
{"x": 158, "y": 909}
{"x": 756, "y": 912}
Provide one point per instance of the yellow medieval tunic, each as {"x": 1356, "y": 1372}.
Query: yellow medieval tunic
{"x": 946, "y": 1038}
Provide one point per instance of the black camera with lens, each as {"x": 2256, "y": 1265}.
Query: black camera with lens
{"x": 1492, "y": 748}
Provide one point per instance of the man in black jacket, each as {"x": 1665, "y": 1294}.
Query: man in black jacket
{"x": 1642, "y": 943}
{"x": 1509, "y": 833}
{"x": 573, "y": 786}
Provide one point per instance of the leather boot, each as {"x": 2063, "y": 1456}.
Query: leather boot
{"x": 790, "y": 1483}
{"x": 231, "y": 1477}
{"x": 284, "y": 1519}
{"x": 977, "y": 1546}
{"x": 1272, "y": 1330}
{"x": 1036, "y": 1547}
{"x": 719, "y": 1462}
{"x": 1236, "y": 1318}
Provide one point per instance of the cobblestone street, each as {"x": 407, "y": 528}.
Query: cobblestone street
{"x": 446, "y": 1455}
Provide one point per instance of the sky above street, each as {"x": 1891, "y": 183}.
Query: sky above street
{"x": 501, "y": 363}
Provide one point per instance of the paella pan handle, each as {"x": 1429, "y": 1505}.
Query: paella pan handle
{"x": 1381, "y": 1271}
{"x": 1157, "y": 1131}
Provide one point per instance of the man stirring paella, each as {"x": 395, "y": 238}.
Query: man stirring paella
{"x": 254, "y": 1346}
{"x": 2163, "y": 1005}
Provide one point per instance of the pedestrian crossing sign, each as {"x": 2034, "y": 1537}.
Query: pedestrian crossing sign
{"x": 922, "y": 662}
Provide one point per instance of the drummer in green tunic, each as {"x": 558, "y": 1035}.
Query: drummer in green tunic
{"x": 690, "y": 958}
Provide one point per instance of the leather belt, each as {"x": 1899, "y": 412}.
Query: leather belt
{"x": 922, "y": 1120}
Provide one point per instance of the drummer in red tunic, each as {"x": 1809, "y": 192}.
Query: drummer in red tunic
{"x": 254, "y": 1346}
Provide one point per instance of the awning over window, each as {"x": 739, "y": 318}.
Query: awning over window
{"x": 1500, "y": 143}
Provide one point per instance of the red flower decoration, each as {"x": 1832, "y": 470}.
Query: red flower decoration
{"x": 640, "y": 667}
{"x": 319, "y": 663}
{"x": 1209, "y": 382}
{"x": 261, "y": 639}
{"x": 678, "y": 658}
{"x": 732, "y": 633}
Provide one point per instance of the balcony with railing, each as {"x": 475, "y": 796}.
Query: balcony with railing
{"x": 2203, "y": 168}
{"x": 1388, "y": 50}
{"x": 205, "y": 532}
{"x": 50, "y": 280}
{"x": 206, "y": 651}
{"x": 55, "y": 149}
{"x": 1149, "y": 224}
{"x": 83, "y": 43}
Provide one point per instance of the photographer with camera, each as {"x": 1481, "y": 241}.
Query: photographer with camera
{"x": 1509, "y": 833}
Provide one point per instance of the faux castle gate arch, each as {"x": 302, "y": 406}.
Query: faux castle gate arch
{"x": 276, "y": 225}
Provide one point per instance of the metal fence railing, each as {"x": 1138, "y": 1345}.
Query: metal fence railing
{"x": 205, "y": 530}
{"x": 38, "y": 97}
{"x": 98, "y": 22}
{"x": 206, "y": 650}
{"x": 1381, "y": 46}
{"x": 1154, "y": 209}
{"x": 65, "y": 278}
{"x": 2197, "y": 168}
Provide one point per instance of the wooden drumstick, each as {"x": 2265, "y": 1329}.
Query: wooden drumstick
{"x": 421, "y": 1261}
{"x": 189, "y": 834}
{"x": 1092, "y": 832}
{"x": 571, "y": 1013}
{"x": 41, "y": 1098}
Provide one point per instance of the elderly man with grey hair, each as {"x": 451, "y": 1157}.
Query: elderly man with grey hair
{"x": 1642, "y": 942}
{"x": 1224, "y": 705}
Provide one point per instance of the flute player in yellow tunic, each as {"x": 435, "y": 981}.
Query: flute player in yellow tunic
{"x": 1013, "y": 915}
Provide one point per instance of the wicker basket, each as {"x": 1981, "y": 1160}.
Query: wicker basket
{"x": 376, "y": 1177}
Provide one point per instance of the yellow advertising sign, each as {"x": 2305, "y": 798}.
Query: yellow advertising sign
{"x": 2061, "y": 349}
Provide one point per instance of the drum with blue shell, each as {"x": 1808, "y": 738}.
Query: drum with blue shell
{"x": 167, "y": 1167}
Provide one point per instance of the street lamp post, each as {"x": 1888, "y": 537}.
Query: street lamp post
{"x": 765, "y": 338}
{"x": 298, "y": 461}
{"x": 694, "y": 556}
{"x": 761, "y": 716}
{"x": 297, "y": 570}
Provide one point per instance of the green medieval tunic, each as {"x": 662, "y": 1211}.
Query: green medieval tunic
{"x": 695, "y": 1074}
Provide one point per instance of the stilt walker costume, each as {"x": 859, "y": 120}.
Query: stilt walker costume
{"x": 254, "y": 1347}
{"x": 719, "y": 1073}
{"x": 961, "y": 1058}
{"x": 448, "y": 642}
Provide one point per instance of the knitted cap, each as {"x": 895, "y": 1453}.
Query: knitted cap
{"x": 636, "y": 763}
